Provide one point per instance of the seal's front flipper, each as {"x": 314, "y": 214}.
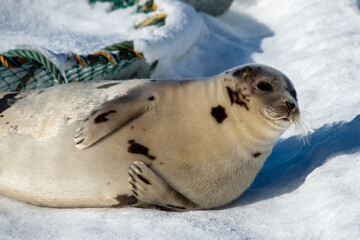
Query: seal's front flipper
{"x": 151, "y": 189}
{"x": 110, "y": 116}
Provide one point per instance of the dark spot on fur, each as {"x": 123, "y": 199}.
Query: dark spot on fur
{"x": 102, "y": 117}
{"x": 238, "y": 73}
{"x": 176, "y": 207}
{"x": 82, "y": 140}
{"x": 144, "y": 179}
{"x": 8, "y": 100}
{"x": 256, "y": 154}
{"x": 66, "y": 118}
{"x": 41, "y": 91}
{"x": 242, "y": 72}
{"x": 238, "y": 98}
{"x": 137, "y": 148}
{"x": 107, "y": 85}
{"x": 161, "y": 163}
{"x": 125, "y": 200}
{"x": 231, "y": 96}
{"x": 218, "y": 113}
{"x": 7, "y": 122}
{"x": 243, "y": 104}
{"x": 151, "y": 98}
{"x": 257, "y": 70}
{"x": 132, "y": 127}
{"x": 152, "y": 80}
{"x": 14, "y": 127}
{"x": 108, "y": 183}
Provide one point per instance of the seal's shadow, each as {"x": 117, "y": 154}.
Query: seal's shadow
{"x": 234, "y": 38}
{"x": 291, "y": 160}
{"x": 248, "y": 35}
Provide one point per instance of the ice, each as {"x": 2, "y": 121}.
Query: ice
{"x": 304, "y": 191}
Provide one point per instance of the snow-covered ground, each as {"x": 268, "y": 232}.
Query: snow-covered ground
{"x": 304, "y": 191}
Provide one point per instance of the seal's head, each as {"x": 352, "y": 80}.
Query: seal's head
{"x": 265, "y": 95}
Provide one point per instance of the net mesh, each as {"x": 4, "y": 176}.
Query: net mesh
{"x": 24, "y": 72}
{"x": 146, "y": 6}
{"x": 25, "y": 69}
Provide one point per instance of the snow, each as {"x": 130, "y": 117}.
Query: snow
{"x": 304, "y": 191}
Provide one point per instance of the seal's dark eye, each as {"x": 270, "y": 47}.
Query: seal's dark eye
{"x": 264, "y": 86}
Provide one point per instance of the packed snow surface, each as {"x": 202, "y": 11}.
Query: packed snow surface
{"x": 304, "y": 191}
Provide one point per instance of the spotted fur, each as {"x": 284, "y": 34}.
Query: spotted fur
{"x": 125, "y": 200}
{"x": 8, "y": 100}
{"x": 257, "y": 154}
{"x": 199, "y": 131}
{"x": 137, "y": 148}
{"x": 238, "y": 98}
{"x": 102, "y": 117}
{"x": 219, "y": 113}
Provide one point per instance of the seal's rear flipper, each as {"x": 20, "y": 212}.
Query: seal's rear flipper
{"x": 110, "y": 116}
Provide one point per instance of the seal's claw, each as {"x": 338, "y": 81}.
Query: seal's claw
{"x": 138, "y": 180}
{"x": 80, "y": 140}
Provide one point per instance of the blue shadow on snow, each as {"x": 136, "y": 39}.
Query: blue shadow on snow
{"x": 232, "y": 43}
{"x": 292, "y": 160}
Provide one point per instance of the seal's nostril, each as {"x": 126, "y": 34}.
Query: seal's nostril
{"x": 290, "y": 106}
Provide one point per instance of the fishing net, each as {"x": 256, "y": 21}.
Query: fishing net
{"x": 25, "y": 69}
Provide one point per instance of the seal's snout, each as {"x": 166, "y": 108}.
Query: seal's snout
{"x": 291, "y": 111}
{"x": 291, "y": 107}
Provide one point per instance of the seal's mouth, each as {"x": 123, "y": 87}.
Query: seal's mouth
{"x": 291, "y": 116}
{"x": 300, "y": 120}
{"x": 281, "y": 117}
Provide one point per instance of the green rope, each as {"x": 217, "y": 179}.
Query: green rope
{"x": 39, "y": 58}
{"x": 116, "y": 4}
{"x": 120, "y": 46}
{"x": 149, "y": 6}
